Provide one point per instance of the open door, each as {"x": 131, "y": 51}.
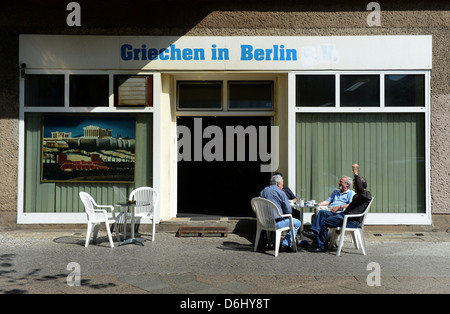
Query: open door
{"x": 221, "y": 188}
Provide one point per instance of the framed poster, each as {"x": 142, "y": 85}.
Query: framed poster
{"x": 78, "y": 148}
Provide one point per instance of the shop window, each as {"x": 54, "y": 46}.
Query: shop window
{"x": 199, "y": 95}
{"x": 360, "y": 90}
{"x": 133, "y": 91}
{"x": 405, "y": 90}
{"x": 42, "y": 90}
{"x": 391, "y": 148}
{"x": 315, "y": 91}
{"x": 89, "y": 90}
{"x": 250, "y": 95}
{"x": 62, "y": 196}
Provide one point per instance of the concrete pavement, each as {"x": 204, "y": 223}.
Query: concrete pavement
{"x": 47, "y": 262}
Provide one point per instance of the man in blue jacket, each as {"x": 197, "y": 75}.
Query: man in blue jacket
{"x": 274, "y": 193}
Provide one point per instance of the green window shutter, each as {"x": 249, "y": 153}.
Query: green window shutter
{"x": 389, "y": 147}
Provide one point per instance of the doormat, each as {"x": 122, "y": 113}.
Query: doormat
{"x": 201, "y": 231}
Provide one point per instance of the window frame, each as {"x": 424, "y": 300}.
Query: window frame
{"x": 385, "y": 90}
{"x": 111, "y": 108}
{"x": 44, "y": 74}
{"x": 293, "y": 111}
{"x": 73, "y": 86}
{"x": 382, "y": 106}
{"x": 380, "y": 77}
{"x": 205, "y": 83}
{"x": 148, "y": 84}
{"x": 271, "y": 83}
{"x": 225, "y": 79}
{"x": 64, "y": 218}
{"x": 336, "y": 85}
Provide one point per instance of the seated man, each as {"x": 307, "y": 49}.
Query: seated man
{"x": 340, "y": 198}
{"x": 328, "y": 219}
{"x": 290, "y": 195}
{"x": 275, "y": 194}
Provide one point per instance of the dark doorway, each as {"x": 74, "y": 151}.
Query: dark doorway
{"x": 221, "y": 188}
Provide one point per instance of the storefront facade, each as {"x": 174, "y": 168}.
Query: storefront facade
{"x": 207, "y": 115}
{"x": 329, "y": 101}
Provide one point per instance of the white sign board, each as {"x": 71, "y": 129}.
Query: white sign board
{"x": 267, "y": 53}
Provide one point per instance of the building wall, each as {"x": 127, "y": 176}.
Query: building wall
{"x": 225, "y": 18}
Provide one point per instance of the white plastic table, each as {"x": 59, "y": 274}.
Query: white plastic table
{"x": 300, "y": 208}
{"x": 132, "y": 207}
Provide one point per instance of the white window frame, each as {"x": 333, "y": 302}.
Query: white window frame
{"x": 74, "y": 218}
{"x": 272, "y": 82}
{"x": 225, "y": 78}
{"x": 204, "y": 83}
{"x": 293, "y": 110}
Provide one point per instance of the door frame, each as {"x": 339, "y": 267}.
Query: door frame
{"x": 277, "y": 78}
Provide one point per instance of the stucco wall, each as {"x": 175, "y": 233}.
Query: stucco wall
{"x": 220, "y": 18}
{"x": 9, "y": 130}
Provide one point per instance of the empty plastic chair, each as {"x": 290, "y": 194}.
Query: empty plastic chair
{"x": 146, "y": 194}
{"x": 96, "y": 217}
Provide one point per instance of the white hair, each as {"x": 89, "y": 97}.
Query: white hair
{"x": 276, "y": 179}
{"x": 348, "y": 181}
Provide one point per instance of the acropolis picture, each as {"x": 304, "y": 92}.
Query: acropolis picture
{"x": 92, "y": 149}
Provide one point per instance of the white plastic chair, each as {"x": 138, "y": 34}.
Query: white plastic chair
{"x": 146, "y": 194}
{"x": 357, "y": 233}
{"x": 96, "y": 217}
{"x": 265, "y": 220}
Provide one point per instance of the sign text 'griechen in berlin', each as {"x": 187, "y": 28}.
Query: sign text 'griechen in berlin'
{"x": 129, "y": 52}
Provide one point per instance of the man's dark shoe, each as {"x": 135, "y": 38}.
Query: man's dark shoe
{"x": 309, "y": 234}
{"x": 303, "y": 244}
{"x": 316, "y": 249}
